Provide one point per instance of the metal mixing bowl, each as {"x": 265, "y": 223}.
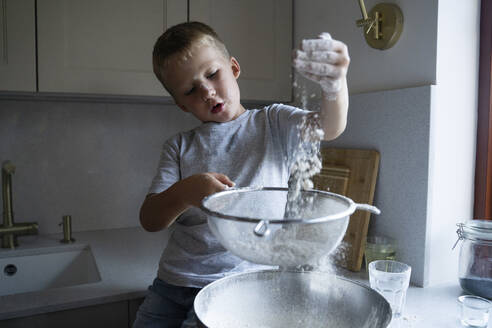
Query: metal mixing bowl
{"x": 291, "y": 299}
{"x": 250, "y": 223}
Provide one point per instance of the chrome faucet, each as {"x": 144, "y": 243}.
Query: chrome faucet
{"x": 9, "y": 231}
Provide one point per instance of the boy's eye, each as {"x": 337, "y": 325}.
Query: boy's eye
{"x": 189, "y": 92}
{"x": 211, "y": 75}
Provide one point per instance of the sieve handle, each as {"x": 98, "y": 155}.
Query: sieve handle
{"x": 262, "y": 229}
{"x": 369, "y": 208}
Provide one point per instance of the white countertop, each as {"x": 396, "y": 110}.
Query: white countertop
{"x": 432, "y": 307}
{"x": 127, "y": 260}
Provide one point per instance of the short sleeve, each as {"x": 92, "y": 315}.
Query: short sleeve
{"x": 168, "y": 170}
{"x": 286, "y": 120}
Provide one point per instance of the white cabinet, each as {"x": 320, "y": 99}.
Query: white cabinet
{"x": 116, "y": 314}
{"x": 105, "y": 46}
{"x": 102, "y": 46}
{"x": 17, "y": 45}
{"x": 259, "y": 34}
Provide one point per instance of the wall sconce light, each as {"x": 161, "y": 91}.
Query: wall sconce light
{"x": 383, "y": 26}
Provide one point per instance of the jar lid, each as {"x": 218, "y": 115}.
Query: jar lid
{"x": 476, "y": 229}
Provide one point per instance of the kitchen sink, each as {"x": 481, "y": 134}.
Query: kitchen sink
{"x": 41, "y": 269}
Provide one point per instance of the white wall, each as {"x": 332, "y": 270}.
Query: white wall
{"x": 411, "y": 62}
{"x": 453, "y": 135}
{"x": 396, "y": 123}
{"x": 426, "y": 136}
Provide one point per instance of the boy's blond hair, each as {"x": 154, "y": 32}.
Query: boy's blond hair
{"x": 180, "y": 39}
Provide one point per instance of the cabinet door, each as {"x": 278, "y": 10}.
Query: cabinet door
{"x": 102, "y": 46}
{"x": 97, "y": 316}
{"x": 17, "y": 45}
{"x": 259, "y": 34}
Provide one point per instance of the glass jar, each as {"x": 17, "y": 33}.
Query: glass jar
{"x": 475, "y": 261}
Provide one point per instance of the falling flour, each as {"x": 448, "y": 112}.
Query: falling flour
{"x": 306, "y": 164}
{"x": 306, "y": 160}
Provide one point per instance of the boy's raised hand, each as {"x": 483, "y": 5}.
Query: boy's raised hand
{"x": 324, "y": 61}
{"x": 201, "y": 185}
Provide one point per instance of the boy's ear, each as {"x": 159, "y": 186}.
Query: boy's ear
{"x": 236, "y": 69}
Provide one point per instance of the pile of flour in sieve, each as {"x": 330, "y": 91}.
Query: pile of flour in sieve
{"x": 290, "y": 245}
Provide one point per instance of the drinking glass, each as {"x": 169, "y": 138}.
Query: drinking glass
{"x": 474, "y": 311}
{"x": 379, "y": 247}
{"x": 391, "y": 279}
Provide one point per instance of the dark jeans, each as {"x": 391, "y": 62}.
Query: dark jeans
{"x": 167, "y": 306}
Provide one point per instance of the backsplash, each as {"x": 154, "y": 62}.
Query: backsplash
{"x": 95, "y": 160}
{"x": 91, "y": 160}
{"x": 397, "y": 124}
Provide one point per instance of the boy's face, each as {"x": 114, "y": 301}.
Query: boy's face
{"x": 205, "y": 84}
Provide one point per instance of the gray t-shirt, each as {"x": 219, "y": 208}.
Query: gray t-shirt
{"x": 255, "y": 149}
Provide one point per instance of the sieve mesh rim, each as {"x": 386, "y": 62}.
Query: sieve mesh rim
{"x": 351, "y": 207}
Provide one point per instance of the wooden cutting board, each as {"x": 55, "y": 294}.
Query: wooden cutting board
{"x": 353, "y": 173}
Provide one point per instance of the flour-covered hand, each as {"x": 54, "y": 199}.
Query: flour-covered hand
{"x": 324, "y": 61}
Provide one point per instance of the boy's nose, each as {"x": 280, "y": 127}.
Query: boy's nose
{"x": 207, "y": 92}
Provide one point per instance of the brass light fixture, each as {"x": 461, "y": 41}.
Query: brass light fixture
{"x": 383, "y": 26}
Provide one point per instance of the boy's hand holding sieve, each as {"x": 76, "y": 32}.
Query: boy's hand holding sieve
{"x": 201, "y": 185}
{"x": 324, "y": 61}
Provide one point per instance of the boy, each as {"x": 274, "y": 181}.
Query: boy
{"x": 232, "y": 147}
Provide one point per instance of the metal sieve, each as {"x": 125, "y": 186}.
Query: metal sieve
{"x": 250, "y": 223}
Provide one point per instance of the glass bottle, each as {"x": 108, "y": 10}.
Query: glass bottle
{"x": 475, "y": 260}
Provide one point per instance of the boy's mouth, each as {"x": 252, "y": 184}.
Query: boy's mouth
{"x": 217, "y": 108}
